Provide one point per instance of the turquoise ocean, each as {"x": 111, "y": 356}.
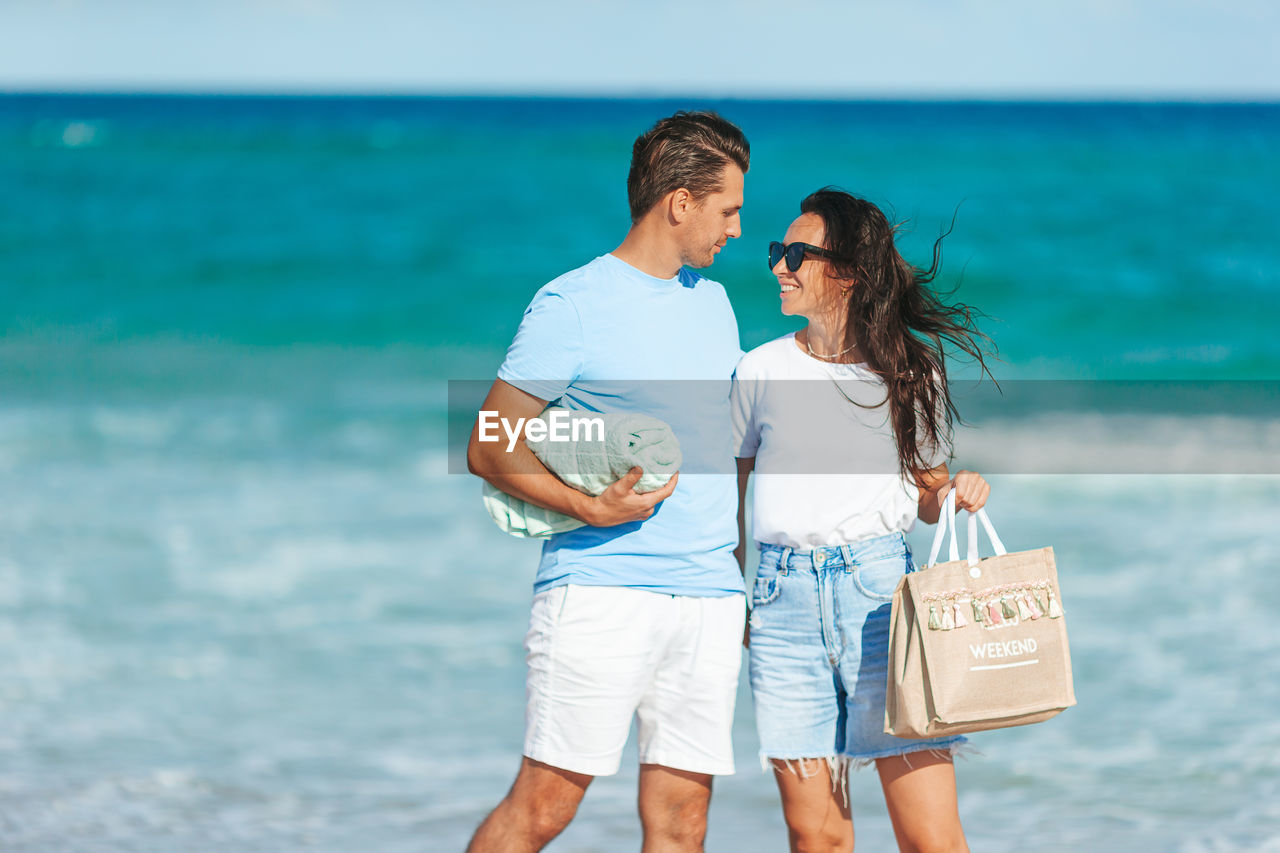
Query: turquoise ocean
{"x": 245, "y": 606}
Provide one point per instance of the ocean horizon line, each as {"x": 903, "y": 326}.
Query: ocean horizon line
{"x": 1084, "y": 99}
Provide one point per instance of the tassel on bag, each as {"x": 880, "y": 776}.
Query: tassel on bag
{"x": 1055, "y": 609}
{"x": 960, "y": 621}
{"x": 979, "y": 615}
{"x": 1031, "y": 606}
{"x": 934, "y": 622}
{"x": 1006, "y": 607}
{"x": 993, "y": 610}
{"x": 948, "y": 620}
{"x": 1023, "y": 612}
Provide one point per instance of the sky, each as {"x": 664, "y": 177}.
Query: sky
{"x": 1107, "y": 49}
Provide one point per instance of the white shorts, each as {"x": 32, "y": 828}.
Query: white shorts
{"x": 600, "y": 654}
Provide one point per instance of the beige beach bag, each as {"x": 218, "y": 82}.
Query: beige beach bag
{"x": 977, "y": 644}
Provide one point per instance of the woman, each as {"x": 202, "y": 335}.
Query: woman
{"x": 845, "y": 424}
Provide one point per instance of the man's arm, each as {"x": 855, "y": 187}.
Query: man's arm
{"x": 521, "y": 474}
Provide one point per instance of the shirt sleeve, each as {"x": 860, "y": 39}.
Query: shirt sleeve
{"x": 546, "y": 356}
{"x": 936, "y": 454}
{"x": 742, "y": 413}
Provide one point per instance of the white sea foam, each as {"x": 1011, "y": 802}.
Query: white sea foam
{"x": 280, "y": 641}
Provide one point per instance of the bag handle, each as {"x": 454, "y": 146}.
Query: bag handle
{"x": 940, "y": 533}
{"x": 948, "y": 520}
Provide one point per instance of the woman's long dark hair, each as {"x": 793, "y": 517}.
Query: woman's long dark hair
{"x": 901, "y": 326}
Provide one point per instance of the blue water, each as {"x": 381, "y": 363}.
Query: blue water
{"x": 243, "y": 605}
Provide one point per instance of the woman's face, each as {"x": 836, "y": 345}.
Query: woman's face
{"x": 807, "y": 292}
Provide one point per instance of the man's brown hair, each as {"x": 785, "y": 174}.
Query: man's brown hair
{"x": 689, "y": 150}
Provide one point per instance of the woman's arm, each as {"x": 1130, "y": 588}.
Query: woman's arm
{"x": 971, "y": 488}
{"x": 745, "y": 467}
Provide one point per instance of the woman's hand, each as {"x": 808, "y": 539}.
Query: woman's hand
{"x": 971, "y": 490}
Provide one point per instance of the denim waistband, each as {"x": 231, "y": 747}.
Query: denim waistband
{"x": 830, "y": 556}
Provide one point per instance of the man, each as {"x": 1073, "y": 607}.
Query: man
{"x": 641, "y": 612}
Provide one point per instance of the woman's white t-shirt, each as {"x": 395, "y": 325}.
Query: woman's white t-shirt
{"x": 826, "y": 470}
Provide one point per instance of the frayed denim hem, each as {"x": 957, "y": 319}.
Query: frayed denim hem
{"x": 840, "y": 765}
{"x": 837, "y": 765}
{"x": 960, "y": 748}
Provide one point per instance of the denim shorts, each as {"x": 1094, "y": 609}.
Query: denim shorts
{"x": 819, "y": 651}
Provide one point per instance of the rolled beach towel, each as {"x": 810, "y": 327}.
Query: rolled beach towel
{"x": 590, "y": 466}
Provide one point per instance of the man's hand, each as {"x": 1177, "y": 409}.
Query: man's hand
{"x": 621, "y": 504}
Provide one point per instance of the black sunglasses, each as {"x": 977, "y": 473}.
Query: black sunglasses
{"x": 794, "y": 253}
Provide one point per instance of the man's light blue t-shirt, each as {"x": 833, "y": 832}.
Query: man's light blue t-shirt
{"x": 607, "y": 337}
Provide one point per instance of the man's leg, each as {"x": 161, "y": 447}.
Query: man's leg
{"x": 538, "y": 807}
{"x": 673, "y": 809}
{"x": 686, "y": 720}
{"x": 589, "y": 661}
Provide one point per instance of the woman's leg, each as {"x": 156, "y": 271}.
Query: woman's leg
{"x": 920, "y": 791}
{"x": 816, "y": 811}
{"x": 798, "y": 706}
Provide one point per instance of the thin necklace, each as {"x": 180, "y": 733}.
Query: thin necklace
{"x": 822, "y": 355}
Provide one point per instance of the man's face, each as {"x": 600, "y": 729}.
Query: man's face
{"x": 713, "y": 221}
